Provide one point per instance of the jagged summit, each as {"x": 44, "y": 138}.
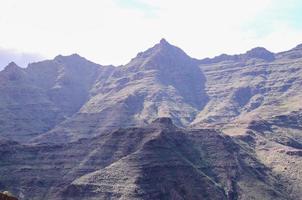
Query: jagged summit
{"x": 164, "y": 45}
{"x": 163, "y": 41}
{"x": 161, "y": 52}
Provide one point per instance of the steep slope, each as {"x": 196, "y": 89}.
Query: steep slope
{"x": 160, "y": 82}
{"x": 278, "y": 144}
{"x": 158, "y": 161}
{"x": 51, "y": 106}
{"x": 69, "y": 98}
{"x": 250, "y": 86}
{"x": 25, "y": 109}
{"x": 35, "y": 99}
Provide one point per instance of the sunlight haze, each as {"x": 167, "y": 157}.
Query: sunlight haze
{"x": 114, "y": 31}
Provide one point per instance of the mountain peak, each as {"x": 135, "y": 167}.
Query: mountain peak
{"x": 258, "y": 50}
{"x": 163, "y": 41}
{"x": 13, "y": 72}
{"x": 158, "y": 54}
{"x": 262, "y": 53}
{"x": 12, "y": 66}
{"x": 165, "y": 45}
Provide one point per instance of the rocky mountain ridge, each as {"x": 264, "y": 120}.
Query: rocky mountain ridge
{"x": 75, "y": 96}
{"x": 73, "y": 129}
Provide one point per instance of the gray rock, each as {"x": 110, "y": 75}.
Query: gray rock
{"x": 73, "y": 129}
{"x": 159, "y": 161}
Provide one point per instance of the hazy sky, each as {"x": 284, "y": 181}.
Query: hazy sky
{"x": 114, "y": 31}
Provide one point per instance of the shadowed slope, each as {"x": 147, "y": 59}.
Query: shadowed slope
{"x": 158, "y": 161}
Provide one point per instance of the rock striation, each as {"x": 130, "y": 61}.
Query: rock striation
{"x": 159, "y": 161}
{"x": 69, "y": 97}
{"x": 163, "y": 126}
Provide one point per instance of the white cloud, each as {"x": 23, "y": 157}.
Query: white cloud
{"x": 106, "y": 32}
{"x": 20, "y": 58}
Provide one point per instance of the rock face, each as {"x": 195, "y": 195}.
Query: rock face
{"x": 159, "y": 161}
{"x": 73, "y": 129}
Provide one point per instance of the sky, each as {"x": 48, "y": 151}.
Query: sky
{"x": 114, "y": 31}
{"x": 20, "y": 58}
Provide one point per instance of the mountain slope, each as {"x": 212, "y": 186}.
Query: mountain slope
{"x": 36, "y": 99}
{"x": 82, "y": 129}
{"x": 243, "y": 88}
{"x": 160, "y": 82}
{"x": 157, "y": 161}
{"x": 83, "y": 99}
{"x": 279, "y": 146}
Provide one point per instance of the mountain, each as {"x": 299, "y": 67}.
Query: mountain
{"x": 159, "y": 161}
{"x": 37, "y": 98}
{"x": 160, "y": 82}
{"x": 175, "y": 89}
{"x": 75, "y": 98}
{"x": 251, "y": 86}
{"x": 74, "y": 129}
